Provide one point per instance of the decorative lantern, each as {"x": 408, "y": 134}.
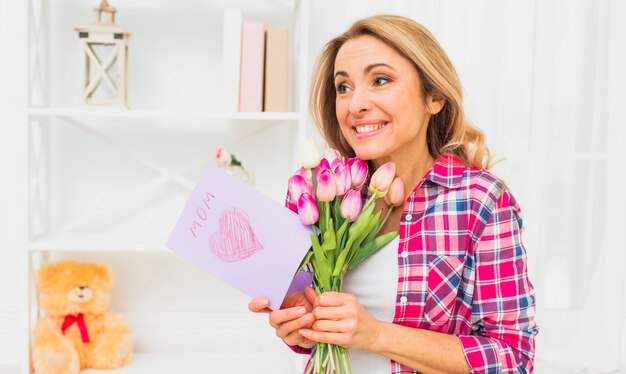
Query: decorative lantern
{"x": 103, "y": 48}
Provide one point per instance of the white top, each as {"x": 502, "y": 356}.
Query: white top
{"x": 374, "y": 282}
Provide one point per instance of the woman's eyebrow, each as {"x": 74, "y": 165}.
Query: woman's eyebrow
{"x": 367, "y": 69}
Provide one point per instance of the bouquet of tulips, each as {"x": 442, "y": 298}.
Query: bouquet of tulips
{"x": 331, "y": 198}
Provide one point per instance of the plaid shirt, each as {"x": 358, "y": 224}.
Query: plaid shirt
{"x": 462, "y": 268}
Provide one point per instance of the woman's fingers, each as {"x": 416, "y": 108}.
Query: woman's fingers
{"x": 259, "y": 305}
{"x": 288, "y": 328}
{"x": 293, "y": 315}
{"x": 344, "y": 325}
{"x": 334, "y": 312}
{"x": 278, "y": 317}
{"x": 335, "y": 306}
{"x": 296, "y": 339}
{"x": 326, "y": 337}
{"x": 334, "y": 299}
{"x": 310, "y": 294}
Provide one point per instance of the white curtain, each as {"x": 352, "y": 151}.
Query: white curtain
{"x": 546, "y": 80}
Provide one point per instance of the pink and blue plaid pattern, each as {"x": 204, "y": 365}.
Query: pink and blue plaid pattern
{"x": 462, "y": 268}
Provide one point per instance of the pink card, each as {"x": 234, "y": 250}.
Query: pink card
{"x": 241, "y": 236}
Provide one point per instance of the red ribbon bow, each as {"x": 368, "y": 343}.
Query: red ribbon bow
{"x": 79, "y": 319}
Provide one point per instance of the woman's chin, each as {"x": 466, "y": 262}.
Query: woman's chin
{"x": 368, "y": 153}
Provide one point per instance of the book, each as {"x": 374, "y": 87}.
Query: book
{"x": 252, "y": 66}
{"x": 276, "y": 70}
{"x": 231, "y": 59}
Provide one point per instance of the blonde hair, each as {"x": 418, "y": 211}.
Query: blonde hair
{"x": 449, "y": 131}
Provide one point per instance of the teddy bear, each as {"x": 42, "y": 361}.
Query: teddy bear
{"x": 77, "y": 331}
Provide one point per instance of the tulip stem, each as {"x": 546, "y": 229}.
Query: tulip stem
{"x": 327, "y": 215}
{"x": 317, "y": 201}
{"x": 371, "y": 200}
{"x": 322, "y": 222}
{"x": 389, "y": 209}
{"x": 314, "y": 181}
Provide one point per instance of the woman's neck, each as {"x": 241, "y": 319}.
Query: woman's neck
{"x": 410, "y": 167}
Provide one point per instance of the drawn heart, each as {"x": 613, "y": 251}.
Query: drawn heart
{"x": 235, "y": 240}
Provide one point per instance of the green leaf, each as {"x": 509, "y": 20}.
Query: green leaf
{"x": 329, "y": 241}
{"x": 340, "y": 234}
{"x": 375, "y": 229}
{"x": 330, "y": 244}
{"x": 371, "y": 247}
{"x": 329, "y": 221}
{"x": 320, "y": 221}
{"x": 352, "y": 238}
{"x": 321, "y": 264}
{"x": 341, "y": 259}
{"x": 363, "y": 217}
{"x": 364, "y": 232}
{"x": 339, "y": 220}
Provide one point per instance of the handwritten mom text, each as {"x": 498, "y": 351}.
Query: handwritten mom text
{"x": 202, "y": 213}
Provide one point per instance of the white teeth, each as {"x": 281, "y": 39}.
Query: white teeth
{"x": 369, "y": 128}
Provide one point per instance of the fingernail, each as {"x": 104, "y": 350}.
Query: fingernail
{"x": 300, "y": 310}
{"x": 264, "y": 302}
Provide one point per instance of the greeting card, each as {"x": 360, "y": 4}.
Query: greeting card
{"x": 241, "y": 236}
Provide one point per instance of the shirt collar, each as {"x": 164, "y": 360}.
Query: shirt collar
{"x": 447, "y": 171}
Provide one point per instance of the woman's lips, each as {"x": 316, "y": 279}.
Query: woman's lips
{"x": 366, "y": 129}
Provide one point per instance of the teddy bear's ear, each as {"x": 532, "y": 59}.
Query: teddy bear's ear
{"x": 103, "y": 275}
{"x": 46, "y": 272}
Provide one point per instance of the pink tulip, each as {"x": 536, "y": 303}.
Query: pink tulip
{"x": 307, "y": 209}
{"x": 336, "y": 164}
{"x": 351, "y": 205}
{"x": 358, "y": 171}
{"x": 323, "y": 165}
{"x": 382, "y": 178}
{"x": 343, "y": 180}
{"x": 331, "y": 155}
{"x": 297, "y": 186}
{"x": 326, "y": 189}
{"x": 396, "y": 192}
{"x": 307, "y": 175}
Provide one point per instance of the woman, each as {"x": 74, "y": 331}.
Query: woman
{"x": 452, "y": 294}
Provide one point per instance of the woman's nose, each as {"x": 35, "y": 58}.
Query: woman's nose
{"x": 360, "y": 101}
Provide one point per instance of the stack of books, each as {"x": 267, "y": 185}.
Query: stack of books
{"x": 255, "y": 65}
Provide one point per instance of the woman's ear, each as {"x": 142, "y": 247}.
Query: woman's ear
{"x": 435, "y": 104}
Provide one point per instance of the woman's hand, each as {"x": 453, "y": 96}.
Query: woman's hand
{"x": 341, "y": 320}
{"x": 294, "y": 314}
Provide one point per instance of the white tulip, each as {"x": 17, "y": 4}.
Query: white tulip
{"x": 309, "y": 154}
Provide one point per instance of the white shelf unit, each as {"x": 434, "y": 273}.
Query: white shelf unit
{"x": 161, "y": 114}
{"x": 108, "y": 184}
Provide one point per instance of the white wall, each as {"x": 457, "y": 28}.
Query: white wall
{"x": 12, "y": 180}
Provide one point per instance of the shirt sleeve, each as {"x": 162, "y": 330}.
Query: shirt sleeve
{"x": 503, "y": 310}
{"x": 291, "y": 205}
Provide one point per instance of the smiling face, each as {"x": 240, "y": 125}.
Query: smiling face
{"x": 379, "y": 102}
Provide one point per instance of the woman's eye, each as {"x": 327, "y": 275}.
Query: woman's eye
{"x": 342, "y": 88}
{"x": 380, "y": 81}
